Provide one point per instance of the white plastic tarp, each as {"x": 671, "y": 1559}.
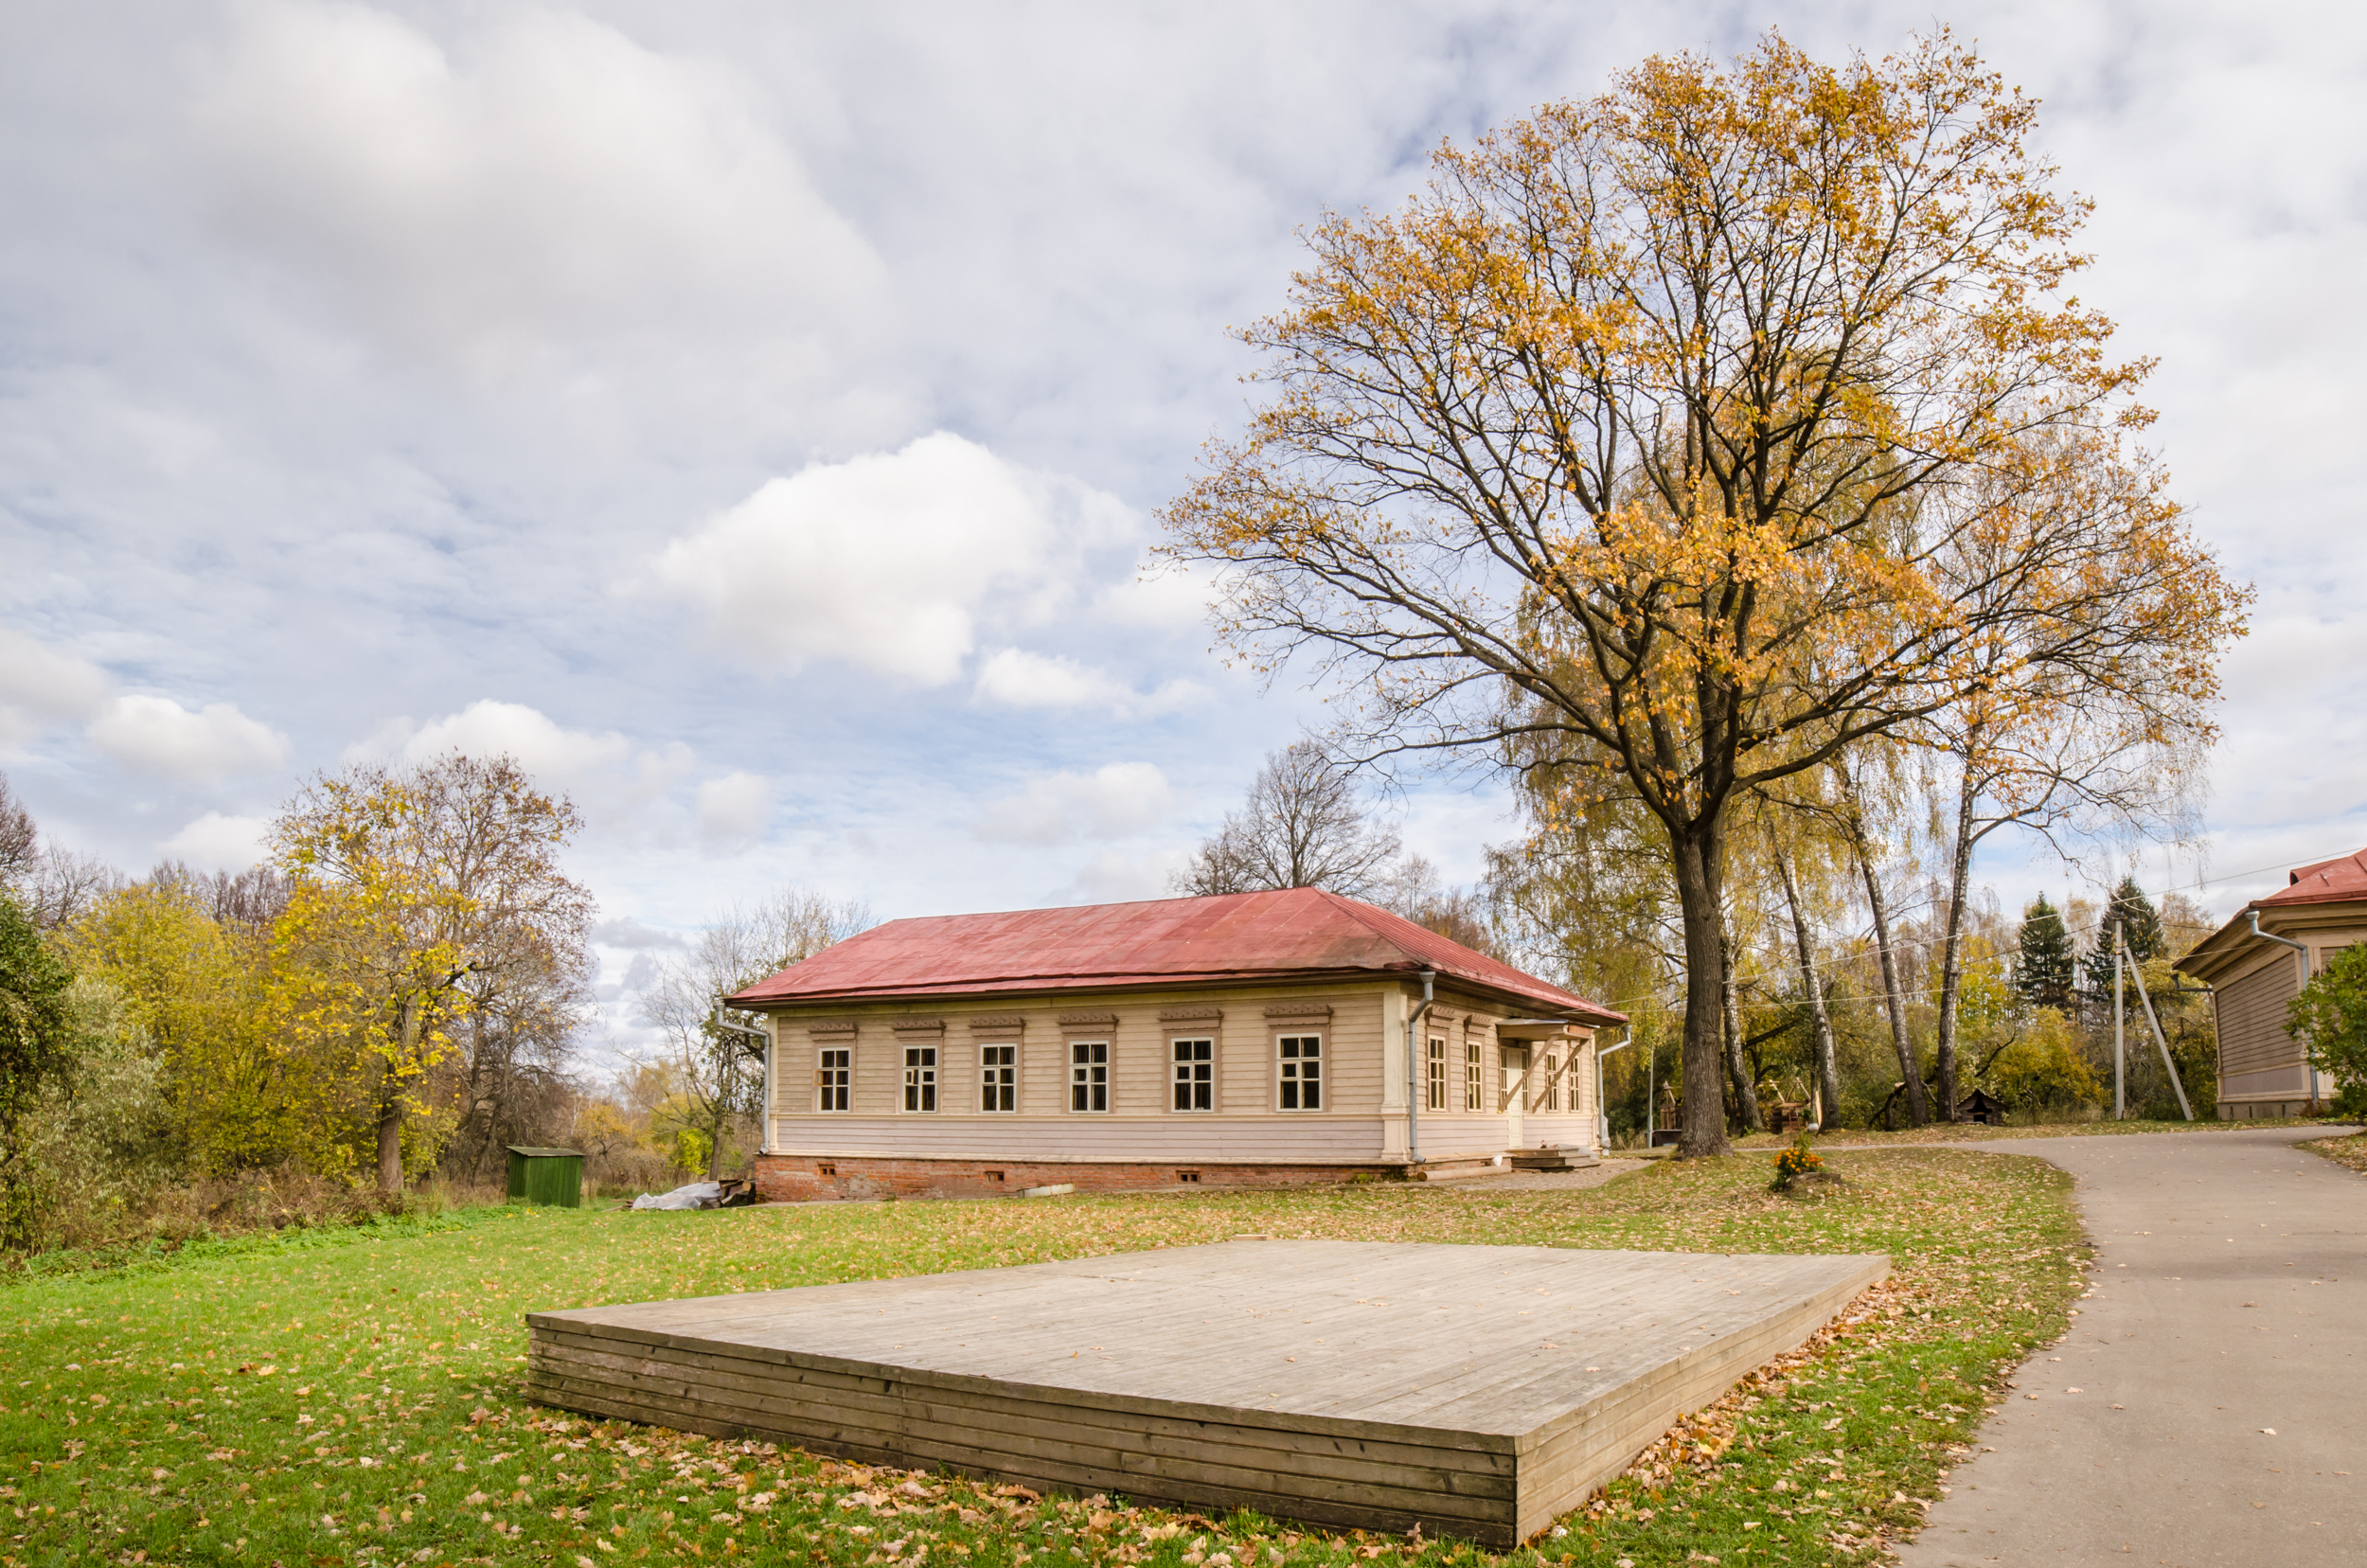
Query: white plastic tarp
{"x": 697, "y": 1195}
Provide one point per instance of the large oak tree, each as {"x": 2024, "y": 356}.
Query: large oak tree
{"x": 1691, "y": 434}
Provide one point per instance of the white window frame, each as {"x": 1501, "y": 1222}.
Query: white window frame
{"x": 1553, "y": 1083}
{"x": 1089, "y": 1077}
{"x": 1434, "y": 1077}
{"x": 1004, "y": 1084}
{"x": 823, "y": 1068}
{"x": 1200, "y": 1083}
{"x": 920, "y": 1080}
{"x": 1298, "y": 1073}
{"x": 1474, "y": 1091}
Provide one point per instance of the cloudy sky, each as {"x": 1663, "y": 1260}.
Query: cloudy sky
{"x": 750, "y": 414}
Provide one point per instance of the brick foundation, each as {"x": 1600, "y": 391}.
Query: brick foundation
{"x": 794, "y": 1178}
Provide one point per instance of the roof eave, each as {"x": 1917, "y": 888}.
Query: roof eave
{"x": 1587, "y": 1012}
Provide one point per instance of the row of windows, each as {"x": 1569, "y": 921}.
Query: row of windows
{"x": 1473, "y": 1097}
{"x": 1192, "y": 1076}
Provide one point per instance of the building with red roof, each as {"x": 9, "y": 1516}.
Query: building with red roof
{"x": 2256, "y": 963}
{"x": 1246, "y": 1039}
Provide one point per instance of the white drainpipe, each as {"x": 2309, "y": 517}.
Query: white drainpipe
{"x": 1602, "y": 1111}
{"x": 2302, "y": 948}
{"x": 1413, "y": 1069}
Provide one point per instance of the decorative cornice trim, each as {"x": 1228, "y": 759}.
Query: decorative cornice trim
{"x": 1079, "y": 1018}
{"x": 829, "y": 1026}
{"x": 917, "y": 1026}
{"x": 1299, "y": 1009}
{"x": 1013, "y": 1022}
{"x": 1178, "y": 1015}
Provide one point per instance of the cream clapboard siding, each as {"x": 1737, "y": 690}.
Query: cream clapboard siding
{"x": 1247, "y": 1125}
{"x": 1264, "y": 1140}
{"x": 2252, "y": 1015}
{"x": 1139, "y": 1066}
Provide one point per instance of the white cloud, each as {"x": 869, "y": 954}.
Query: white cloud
{"x": 605, "y": 773}
{"x": 735, "y": 807}
{"x": 1114, "y": 877}
{"x": 157, "y": 735}
{"x": 531, "y": 183}
{"x": 1115, "y": 802}
{"x": 1017, "y": 678}
{"x": 632, "y": 937}
{"x": 890, "y": 561}
{"x": 40, "y": 687}
{"x": 219, "y": 842}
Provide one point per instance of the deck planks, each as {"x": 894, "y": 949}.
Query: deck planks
{"x": 1476, "y": 1391}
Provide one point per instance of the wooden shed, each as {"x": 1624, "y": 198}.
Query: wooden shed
{"x": 2255, "y": 965}
{"x": 1251, "y": 1039}
{"x": 553, "y": 1176}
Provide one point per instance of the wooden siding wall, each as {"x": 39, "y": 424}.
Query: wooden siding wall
{"x": 1141, "y": 1122}
{"x": 1139, "y": 1053}
{"x": 2252, "y": 1009}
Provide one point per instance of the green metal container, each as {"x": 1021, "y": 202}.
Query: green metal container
{"x": 552, "y": 1176}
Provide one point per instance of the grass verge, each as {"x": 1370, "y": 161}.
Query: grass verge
{"x": 2349, "y": 1151}
{"x": 1962, "y": 1132}
{"x": 357, "y": 1397}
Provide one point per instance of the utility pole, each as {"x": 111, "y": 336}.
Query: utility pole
{"x": 2119, "y": 1068}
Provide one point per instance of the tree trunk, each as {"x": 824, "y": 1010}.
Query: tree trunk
{"x": 1697, "y": 852}
{"x": 390, "y": 1105}
{"x": 1953, "y": 961}
{"x": 1909, "y": 1070}
{"x": 1730, "y": 1009}
{"x": 1828, "y": 1071}
{"x": 390, "y": 1133}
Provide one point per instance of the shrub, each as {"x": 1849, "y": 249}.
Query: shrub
{"x": 1796, "y": 1162}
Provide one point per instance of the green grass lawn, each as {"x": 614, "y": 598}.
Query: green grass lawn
{"x": 356, "y": 1396}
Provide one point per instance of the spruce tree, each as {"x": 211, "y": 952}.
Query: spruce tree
{"x": 2141, "y": 931}
{"x": 2045, "y": 967}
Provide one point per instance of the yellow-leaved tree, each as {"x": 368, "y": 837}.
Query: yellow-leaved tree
{"x": 420, "y": 896}
{"x": 242, "y": 1093}
{"x": 368, "y": 971}
{"x": 1684, "y": 437}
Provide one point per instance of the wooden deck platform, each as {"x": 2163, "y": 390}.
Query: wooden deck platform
{"x": 1478, "y": 1391}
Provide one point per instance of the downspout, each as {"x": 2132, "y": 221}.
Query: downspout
{"x": 764, "y": 1118}
{"x": 1413, "y": 1069}
{"x": 1602, "y": 1111}
{"x": 2302, "y": 948}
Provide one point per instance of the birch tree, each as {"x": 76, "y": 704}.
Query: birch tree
{"x": 1647, "y": 432}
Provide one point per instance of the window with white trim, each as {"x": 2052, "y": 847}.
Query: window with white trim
{"x": 1193, "y": 1063}
{"x": 833, "y": 1078}
{"x": 998, "y": 1077}
{"x": 1299, "y": 1072}
{"x": 921, "y": 1078}
{"x": 1089, "y": 1075}
{"x": 1553, "y": 1083}
{"x": 1438, "y": 1071}
{"x": 1471, "y": 1100}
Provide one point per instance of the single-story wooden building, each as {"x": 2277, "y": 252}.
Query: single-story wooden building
{"x": 2255, "y": 965}
{"x": 1251, "y": 1039}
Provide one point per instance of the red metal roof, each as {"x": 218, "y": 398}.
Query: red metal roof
{"x": 2340, "y": 881}
{"x": 2328, "y": 881}
{"x": 1301, "y": 933}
